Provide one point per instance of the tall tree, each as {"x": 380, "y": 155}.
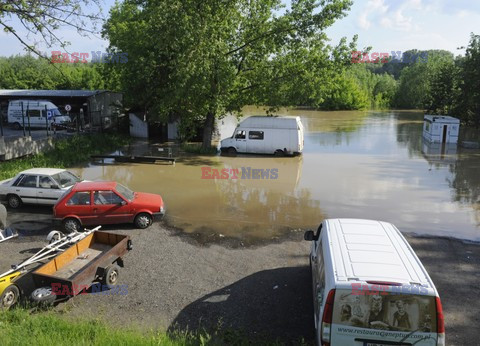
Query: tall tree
{"x": 42, "y": 19}
{"x": 201, "y": 59}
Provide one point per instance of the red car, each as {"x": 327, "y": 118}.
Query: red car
{"x": 105, "y": 202}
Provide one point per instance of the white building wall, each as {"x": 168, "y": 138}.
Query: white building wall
{"x": 138, "y": 127}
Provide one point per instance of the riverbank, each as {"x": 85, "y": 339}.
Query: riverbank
{"x": 178, "y": 284}
{"x": 67, "y": 152}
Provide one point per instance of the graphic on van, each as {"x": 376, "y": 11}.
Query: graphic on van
{"x": 389, "y": 311}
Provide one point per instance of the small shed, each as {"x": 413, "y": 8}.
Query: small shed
{"x": 441, "y": 128}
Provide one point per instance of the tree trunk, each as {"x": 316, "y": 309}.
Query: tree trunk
{"x": 208, "y": 130}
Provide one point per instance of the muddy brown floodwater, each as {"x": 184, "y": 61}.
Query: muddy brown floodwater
{"x": 355, "y": 164}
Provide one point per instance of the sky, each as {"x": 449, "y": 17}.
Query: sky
{"x": 384, "y": 25}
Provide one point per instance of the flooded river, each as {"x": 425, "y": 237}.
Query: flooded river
{"x": 355, "y": 164}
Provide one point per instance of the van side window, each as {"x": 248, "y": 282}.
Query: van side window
{"x": 240, "y": 135}
{"x": 255, "y": 135}
{"x": 33, "y": 113}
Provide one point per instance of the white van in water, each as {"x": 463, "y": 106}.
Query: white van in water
{"x": 38, "y": 110}
{"x": 369, "y": 287}
{"x": 279, "y": 135}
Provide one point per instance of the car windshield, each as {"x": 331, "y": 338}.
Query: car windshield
{"x": 66, "y": 178}
{"x": 125, "y": 192}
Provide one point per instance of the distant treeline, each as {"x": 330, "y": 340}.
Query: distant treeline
{"x": 437, "y": 82}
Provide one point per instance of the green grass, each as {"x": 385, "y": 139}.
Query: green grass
{"x": 67, "y": 153}
{"x": 196, "y": 148}
{"x": 20, "y": 327}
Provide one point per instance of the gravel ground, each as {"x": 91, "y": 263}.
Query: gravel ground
{"x": 174, "y": 282}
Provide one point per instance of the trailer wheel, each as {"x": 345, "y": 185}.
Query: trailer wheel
{"x": 43, "y": 296}
{"x": 143, "y": 220}
{"x": 17, "y": 126}
{"x": 71, "y": 225}
{"x": 9, "y": 297}
{"x": 14, "y": 201}
{"x": 110, "y": 276}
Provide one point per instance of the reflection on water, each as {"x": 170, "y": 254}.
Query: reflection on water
{"x": 356, "y": 164}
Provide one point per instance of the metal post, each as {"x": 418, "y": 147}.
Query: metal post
{"x": 1, "y": 121}
{"x": 46, "y": 119}
{"x": 28, "y": 118}
{"x": 23, "y": 122}
{"x": 77, "y": 123}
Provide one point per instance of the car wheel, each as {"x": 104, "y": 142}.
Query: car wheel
{"x": 43, "y": 296}
{"x": 71, "y": 225}
{"x": 110, "y": 277}
{"x": 143, "y": 220}
{"x": 279, "y": 153}
{"x": 14, "y": 201}
{"x": 9, "y": 297}
{"x": 232, "y": 151}
{"x": 17, "y": 126}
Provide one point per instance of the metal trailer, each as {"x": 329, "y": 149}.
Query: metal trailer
{"x": 9, "y": 290}
{"x": 96, "y": 258}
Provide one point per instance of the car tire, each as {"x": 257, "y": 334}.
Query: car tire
{"x": 143, "y": 220}
{"x": 232, "y": 151}
{"x": 17, "y": 126}
{"x": 14, "y": 201}
{"x": 279, "y": 153}
{"x": 9, "y": 297}
{"x": 71, "y": 225}
{"x": 110, "y": 276}
{"x": 43, "y": 296}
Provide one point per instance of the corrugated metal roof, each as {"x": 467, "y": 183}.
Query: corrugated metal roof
{"x": 49, "y": 93}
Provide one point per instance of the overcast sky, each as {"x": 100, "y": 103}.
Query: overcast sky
{"x": 385, "y": 25}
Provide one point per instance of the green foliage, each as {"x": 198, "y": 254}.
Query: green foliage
{"x": 19, "y": 327}
{"x": 195, "y": 148}
{"x": 27, "y": 72}
{"x": 199, "y": 60}
{"x": 67, "y": 153}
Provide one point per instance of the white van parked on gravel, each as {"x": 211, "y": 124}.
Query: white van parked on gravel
{"x": 41, "y": 113}
{"x": 370, "y": 288}
{"x": 278, "y": 135}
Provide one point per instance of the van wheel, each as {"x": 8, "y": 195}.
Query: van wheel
{"x": 232, "y": 151}
{"x": 9, "y": 297}
{"x": 17, "y": 126}
{"x": 279, "y": 153}
{"x": 14, "y": 201}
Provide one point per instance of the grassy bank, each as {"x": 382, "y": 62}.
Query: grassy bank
{"x": 196, "y": 148}
{"x": 67, "y": 153}
{"x": 20, "y": 327}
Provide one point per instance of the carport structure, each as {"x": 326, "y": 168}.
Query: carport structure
{"x": 100, "y": 108}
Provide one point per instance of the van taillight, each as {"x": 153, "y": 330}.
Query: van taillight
{"x": 440, "y": 323}
{"x": 327, "y": 318}
{"x": 440, "y": 319}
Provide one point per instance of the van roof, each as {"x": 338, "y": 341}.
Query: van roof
{"x": 368, "y": 250}
{"x": 270, "y": 122}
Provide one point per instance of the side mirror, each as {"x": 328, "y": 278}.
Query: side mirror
{"x": 56, "y": 187}
{"x": 123, "y": 203}
{"x": 309, "y": 235}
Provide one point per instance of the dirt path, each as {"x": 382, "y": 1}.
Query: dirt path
{"x": 265, "y": 290}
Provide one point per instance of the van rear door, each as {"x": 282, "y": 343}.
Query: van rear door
{"x": 377, "y": 317}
